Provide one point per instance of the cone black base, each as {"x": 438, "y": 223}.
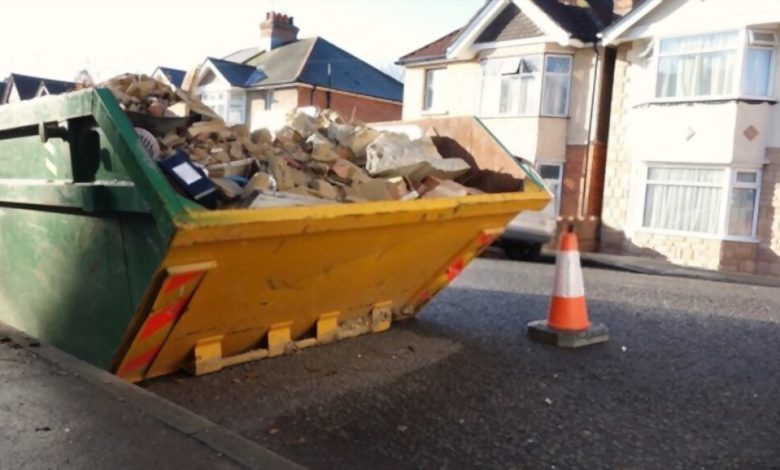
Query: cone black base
{"x": 540, "y": 332}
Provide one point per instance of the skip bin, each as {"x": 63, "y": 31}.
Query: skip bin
{"x": 102, "y": 258}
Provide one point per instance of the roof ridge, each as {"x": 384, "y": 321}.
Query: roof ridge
{"x": 305, "y": 61}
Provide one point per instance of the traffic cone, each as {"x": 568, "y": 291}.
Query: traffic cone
{"x": 567, "y": 323}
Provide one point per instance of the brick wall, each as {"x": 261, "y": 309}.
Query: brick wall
{"x": 586, "y": 226}
{"x": 362, "y": 108}
{"x": 617, "y": 176}
{"x": 767, "y": 256}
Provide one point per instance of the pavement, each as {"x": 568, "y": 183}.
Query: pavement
{"x": 59, "y": 412}
{"x": 689, "y": 379}
{"x": 660, "y": 267}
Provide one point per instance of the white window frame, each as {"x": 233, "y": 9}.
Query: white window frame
{"x": 743, "y": 45}
{"x": 559, "y": 74}
{"x": 734, "y": 184}
{"x": 752, "y": 41}
{"x": 738, "y": 66}
{"x": 220, "y": 100}
{"x": 559, "y": 182}
{"x": 235, "y": 98}
{"x": 538, "y": 88}
{"x": 727, "y": 185}
{"x": 432, "y": 109}
{"x": 772, "y": 64}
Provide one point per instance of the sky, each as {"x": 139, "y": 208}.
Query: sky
{"x": 58, "y": 38}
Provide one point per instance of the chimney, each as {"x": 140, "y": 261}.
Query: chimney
{"x": 277, "y": 30}
{"x": 622, "y": 7}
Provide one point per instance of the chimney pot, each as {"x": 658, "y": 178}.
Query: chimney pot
{"x": 277, "y": 30}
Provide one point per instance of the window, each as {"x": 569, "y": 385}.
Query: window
{"x": 697, "y": 66}
{"x": 744, "y": 198}
{"x": 557, "y": 82}
{"x": 269, "y": 99}
{"x": 235, "y": 113}
{"x": 757, "y": 37}
{"x": 229, "y": 106}
{"x": 520, "y": 86}
{"x": 691, "y": 200}
{"x": 510, "y": 86}
{"x": 758, "y": 70}
{"x": 435, "y": 90}
{"x": 552, "y": 175}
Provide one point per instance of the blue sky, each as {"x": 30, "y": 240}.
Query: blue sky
{"x": 57, "y": 38}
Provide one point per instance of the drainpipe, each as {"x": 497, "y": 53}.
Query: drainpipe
{"x": 585, "y": 182}
{"x": 330, "y": 86}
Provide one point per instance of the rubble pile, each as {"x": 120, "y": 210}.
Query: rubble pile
{"x": 316, "y": 158}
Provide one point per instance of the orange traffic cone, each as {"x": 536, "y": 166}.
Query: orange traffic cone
{"x": 567, "y": 323}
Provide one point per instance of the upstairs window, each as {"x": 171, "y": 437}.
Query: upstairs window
{"x": 557, "y": 83}
{"x": 697, "y": 66}
{"x": 759, "y": 61}
{"x": 526, "y": 86}
{"x": 435, "y": 91}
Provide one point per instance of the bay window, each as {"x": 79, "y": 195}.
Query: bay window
{"x": 231, "y": 107}
{"x": 710, "y": 201}
{"x": 716, "y": 65}
{"x": 697, "y": 65}
{"x": 526, "y": 86}
{"x": 557, "y": 83}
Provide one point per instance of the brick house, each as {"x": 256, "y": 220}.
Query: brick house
{"x": 259, "y": 85}
{"x": 693, "y": 167}
{"x": 532, "y": 72}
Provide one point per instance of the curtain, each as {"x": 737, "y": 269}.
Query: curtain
{"x": 697, "y": 66}
{"x": 743, "y": 203}
{"x": 509, "y": 86}
{"x": 757, "y": 65}
{"x": 670, "y": 204}
{"x": 556, "y": 95}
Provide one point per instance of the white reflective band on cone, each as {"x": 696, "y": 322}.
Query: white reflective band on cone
{"x": 568, "y": 275}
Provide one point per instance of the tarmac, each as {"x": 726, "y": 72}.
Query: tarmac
{"x": 57, "y": 411}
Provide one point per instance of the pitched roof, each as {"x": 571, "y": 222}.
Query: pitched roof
{"x": 347, "y": 73}
{"x": 510, "y": 24}
{"x": 56, "y": 87}
{"x": 283, "y": 64}
{"x": 175, "y": 76}
{"x": 307, "y": 61}
{"x": 243, "y": 55}
{"x": 239, "y": 75}
{"x": 580, "y": 22}
{"x": 431, "y": 51}
{"x": 26, "y": 85}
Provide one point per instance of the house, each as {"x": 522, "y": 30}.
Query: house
{"x": 259, "y": 85}
{"x": 532, "y": 71}
{"x": 53, "y": 87}
{"x": 172, "y": 77}
{"x": 20, "y": 87}
{"x": 693, "y": 167}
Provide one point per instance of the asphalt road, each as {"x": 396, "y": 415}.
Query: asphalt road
{"x": 689, "y": 379}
